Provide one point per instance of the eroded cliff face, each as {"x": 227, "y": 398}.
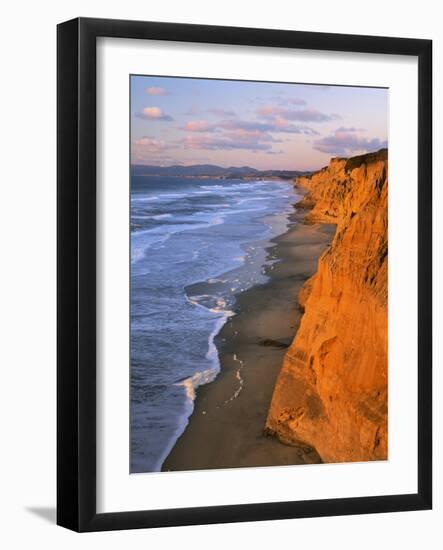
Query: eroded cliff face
{"x": 332, "y": 390}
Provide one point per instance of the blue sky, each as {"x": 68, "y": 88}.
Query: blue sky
{"x": 259, "y": 124}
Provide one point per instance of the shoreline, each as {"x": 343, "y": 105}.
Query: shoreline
{"x": 226, "y": 428}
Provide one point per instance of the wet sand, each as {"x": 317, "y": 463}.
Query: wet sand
{"x": 226, "y": 429}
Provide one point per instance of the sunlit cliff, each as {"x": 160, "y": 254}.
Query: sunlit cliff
{"x": 331, "y": 393}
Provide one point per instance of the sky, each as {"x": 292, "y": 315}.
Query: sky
{"x": 265, "y": 125}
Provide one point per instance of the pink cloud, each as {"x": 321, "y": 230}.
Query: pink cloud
{"x": 156, "y": 91}
{"x": 249, "y": 135}
{"x": 149, "y": 143}
{"x": 269, "y": 111}
{"x": 153, "y": 113}
{"x": 197, "y": 126}
{"x": 148, "y": 149}
{"x": 347, "y": 141}
{"x": 301, "y": 115}
{"x": 224, "y": 142}
{"x": 277, "y": 124}
{"x": 281, "y": 122}
{"x": 273, "y": 124}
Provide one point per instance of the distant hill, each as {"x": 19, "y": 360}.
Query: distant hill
{"x": 211, "y": 170}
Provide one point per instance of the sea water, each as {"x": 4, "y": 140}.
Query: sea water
{"x": 195, "y": 245}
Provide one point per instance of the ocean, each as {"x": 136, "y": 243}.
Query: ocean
{"x": 195, "y": 245}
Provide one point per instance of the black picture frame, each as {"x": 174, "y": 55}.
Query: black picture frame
{"x": 76, "y": 265}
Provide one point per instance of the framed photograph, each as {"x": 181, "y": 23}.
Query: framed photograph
{"x": 244, "y": 308}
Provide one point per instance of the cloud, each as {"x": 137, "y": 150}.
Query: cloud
{"x": 236, "y": 133}
{"x": 345, "y": 142}
{"x": 278, "y": 125}
{"x": 267, "y": 111}
{"x": 150, "y": 150}
{"x": 149, "y": 143}
{"x": 351, "y": 129}
{"x": 282, "y": 125}
{"x": 198, "y": 126}
{"x": 229, "y": 134}
{"x": 221, "y": 112}
{"x": 239, "y": 124}
{"x": 300, "y": 115}
{"x": 225, "y": 142}
{"x": 153, "y": 113}
{"x": 250, "y": 135}
{"x": 156, "y": 91}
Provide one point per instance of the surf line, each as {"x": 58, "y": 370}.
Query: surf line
{"x": 240, "y": 379}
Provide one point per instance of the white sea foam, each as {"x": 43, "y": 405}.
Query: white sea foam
{"x": 137, "y": 254}
{"x": 161, "y": 216}
{"x": 240, "y": 259}
{"x": 154, "y": 217}
{"x": 217, "y": 220}
{"x": 241, "y": 380}
{"x": 215, "y": 304}
{"x": 211, "y": 187}
{"x": 140, "y": 245}
{"x": 205, "y": 377}
{"x": 172, "y": 195}
{"x": 198, "y": 379}
{"x": 160, "y": 234}
{"x": 144, "y": 199}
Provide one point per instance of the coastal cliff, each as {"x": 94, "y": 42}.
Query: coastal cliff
{"x": 331, "y": 393}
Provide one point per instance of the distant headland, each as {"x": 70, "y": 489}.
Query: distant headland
{"x": 214, "y": 171}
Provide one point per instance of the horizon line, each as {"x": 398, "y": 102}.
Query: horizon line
{"x": 131, "y": 164}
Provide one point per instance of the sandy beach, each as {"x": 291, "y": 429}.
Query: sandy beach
{"x": 226, "y": 429}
